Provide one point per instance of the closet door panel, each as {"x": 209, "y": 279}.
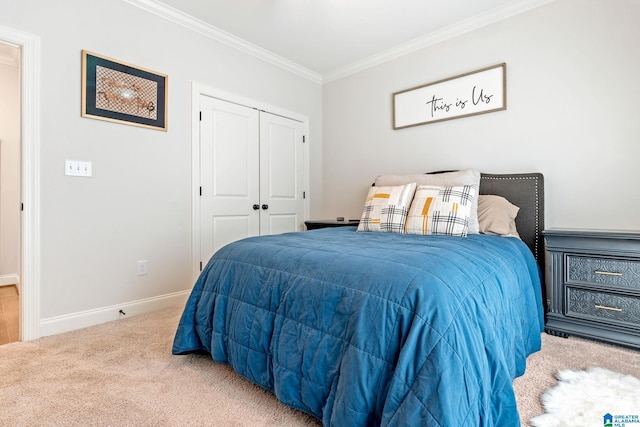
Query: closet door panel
{"x": 281, "y": 174}
{"x": 229, "y": 174}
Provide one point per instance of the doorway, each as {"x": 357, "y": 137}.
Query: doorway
{"x": 29, "y": 274}
{"x": 10, "y": 185}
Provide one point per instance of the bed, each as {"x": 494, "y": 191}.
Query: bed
{"x": 381, "y": 328}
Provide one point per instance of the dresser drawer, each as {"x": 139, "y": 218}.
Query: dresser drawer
{"x": 603, "y": 271}
{"x": 586, "y": 304}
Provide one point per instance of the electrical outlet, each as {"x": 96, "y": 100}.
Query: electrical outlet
{"x": 143, "y": 268}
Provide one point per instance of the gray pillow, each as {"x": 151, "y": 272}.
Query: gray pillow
{"x": 497, "y": 215}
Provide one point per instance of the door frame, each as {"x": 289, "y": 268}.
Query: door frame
{"x": 29, "y": 45}
{"x": 198, "y": 90}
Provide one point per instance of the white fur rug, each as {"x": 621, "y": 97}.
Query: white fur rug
{"x": 584, "y": 398}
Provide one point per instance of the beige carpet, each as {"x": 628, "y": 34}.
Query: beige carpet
{"x": 122, "y": 373}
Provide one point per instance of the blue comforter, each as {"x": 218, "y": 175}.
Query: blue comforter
{"x": 373, "y": 328}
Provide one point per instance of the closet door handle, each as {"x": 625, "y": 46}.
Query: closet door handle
{"x": 256, "y": 207}
{"x": 265, "y": 207}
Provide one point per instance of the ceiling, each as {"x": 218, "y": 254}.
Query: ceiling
{"x": 327, "y": 36}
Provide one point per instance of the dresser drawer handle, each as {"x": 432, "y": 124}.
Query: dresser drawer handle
{"x": 604, "y": 307}
{"x": 608, "y": 273}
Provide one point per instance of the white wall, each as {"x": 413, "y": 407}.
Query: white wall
{"x": 9, "y": 167}
{"x": 137, "y": 205}
{"x": 573, "y": 114}
{"x": 572, "y": 69}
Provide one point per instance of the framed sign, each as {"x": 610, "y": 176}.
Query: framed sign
{"x": 477, "y": 92}
{"x": 119, "y": 92}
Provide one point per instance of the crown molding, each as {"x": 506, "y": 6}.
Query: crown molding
{"x": 171, "y": 14}
{"x": 479, "y": 21}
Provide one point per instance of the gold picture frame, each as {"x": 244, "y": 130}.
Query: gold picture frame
{"x": 119, "y": 92}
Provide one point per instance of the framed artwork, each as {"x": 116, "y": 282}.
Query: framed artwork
{"x": 118, "y": 92}
{"x": 477, "y": 92}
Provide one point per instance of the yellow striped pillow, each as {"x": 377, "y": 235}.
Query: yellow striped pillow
{"x": 441, "y": 210}
{"x": 386, "y": 208}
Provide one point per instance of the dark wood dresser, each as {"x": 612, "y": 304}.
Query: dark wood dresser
{"x": 594, "y": 284}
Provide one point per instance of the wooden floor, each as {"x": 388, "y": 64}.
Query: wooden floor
{"x": 9, "y": 323}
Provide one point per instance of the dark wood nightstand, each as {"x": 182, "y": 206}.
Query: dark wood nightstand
{"x": 594, "y": 284}
{"x": 325, "y": 223}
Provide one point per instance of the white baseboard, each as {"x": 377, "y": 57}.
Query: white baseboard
{"x": 9, "y": 279}
{"x": 69, "y": 322}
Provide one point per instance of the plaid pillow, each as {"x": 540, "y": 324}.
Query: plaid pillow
{"x": 441, "y": 210}
{"x": 447, "y": 179}
{"x": 386, "y": 208}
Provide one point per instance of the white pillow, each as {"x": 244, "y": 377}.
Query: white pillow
{"x": 441, "y": 210}
{"x": 447, "y": 179}
{"x": 386, "y": 208}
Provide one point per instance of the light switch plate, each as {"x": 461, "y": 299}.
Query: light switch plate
{"x": 77, "y": 168}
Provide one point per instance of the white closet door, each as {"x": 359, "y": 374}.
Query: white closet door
{"x": 229, "y": 173}
{"x": 281, "y": 174}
